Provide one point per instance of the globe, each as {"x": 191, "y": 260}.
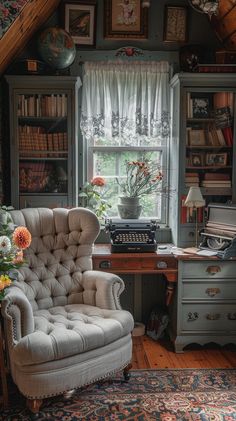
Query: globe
{"x": 56, "y": 47}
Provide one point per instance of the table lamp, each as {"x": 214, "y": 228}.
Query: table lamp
{"x": 195, "y": 200}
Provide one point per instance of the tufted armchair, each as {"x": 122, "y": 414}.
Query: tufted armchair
{"x": 64, "y": 324}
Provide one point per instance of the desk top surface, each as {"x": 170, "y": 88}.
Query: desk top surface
{"x": 101, "y": 250}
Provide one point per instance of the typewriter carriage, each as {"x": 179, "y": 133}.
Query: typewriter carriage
{"x": 219, "y": 233}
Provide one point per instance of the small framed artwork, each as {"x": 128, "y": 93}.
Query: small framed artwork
{"x": 175, "y": 24}
{"x": 125, "y": 19}
{"x": 216, "y": 159}
{"x": 79, "y": 21}
{"x": 196, "y": 160}
{"x": 196, "y": 137}
{"x": 200, "y": 107}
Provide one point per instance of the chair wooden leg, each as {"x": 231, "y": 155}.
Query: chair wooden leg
{"x": 34, "y": 405}
{"x": 126, "y": 372}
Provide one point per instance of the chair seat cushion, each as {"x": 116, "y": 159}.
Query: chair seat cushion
{"x": 61, "y": 332}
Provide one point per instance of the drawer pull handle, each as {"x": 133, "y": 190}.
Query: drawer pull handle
{"x": 192, "y": 316}
{"x": 212, "y": 270}
{"x": 231, "y": 316}
{"x": 162, "y": 265}
{"x": 213, "y": 316}
{"x": 105, "y": 264}
{"x": 211, "y": 292}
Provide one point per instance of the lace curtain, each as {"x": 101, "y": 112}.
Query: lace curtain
{"x": 126, "y": 104}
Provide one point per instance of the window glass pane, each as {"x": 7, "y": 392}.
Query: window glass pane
{"x": 111, "y": 165}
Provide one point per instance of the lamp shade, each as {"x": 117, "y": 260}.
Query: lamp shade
{"x": 194, "y": 198}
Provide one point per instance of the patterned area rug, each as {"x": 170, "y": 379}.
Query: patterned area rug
{"x": 166, "y": 395}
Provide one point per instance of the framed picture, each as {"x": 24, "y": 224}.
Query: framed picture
{"x": 79, "y": 21}
{"x": 196, "y": 160}
{"x": 125, "y": 19}
{"x": 216, "y": 159}
{"x": 196, "y": 137}
{"x": 200, "y": 107}
{"x": 175, "y": 24}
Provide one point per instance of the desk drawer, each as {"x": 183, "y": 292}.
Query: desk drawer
{"x": 212, "y": 289}
{"x": 159, "y": 263}
{"x": 135, "y": 263}
{"x": 116, "y": 264}
{"x": 209, "y": 269}
{"x": 208, "y": 317}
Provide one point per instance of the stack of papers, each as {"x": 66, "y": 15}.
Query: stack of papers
{"x": 207, "y": 253}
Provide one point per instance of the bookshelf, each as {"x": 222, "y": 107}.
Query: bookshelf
{"x": 43, "y": 131}
{"x": 203, "y": 139}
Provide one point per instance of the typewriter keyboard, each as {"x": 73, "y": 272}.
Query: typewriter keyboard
{"x": 133, "y": 237}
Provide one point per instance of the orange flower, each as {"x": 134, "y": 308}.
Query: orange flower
{"x": 98, "y": 181}
{"x": 21, "y": 237}
{"x": 18, "y": 257}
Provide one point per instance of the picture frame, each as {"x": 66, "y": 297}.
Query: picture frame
{"x": 201, "y": 107}
{"x": 125, "y": 19}
{"x": 216, "y": 159}
{"x": 79, "y": 21}
{"x": 196, "y": 159}
{"x": 175, "y": 24}
{"x": 196, "y": 137}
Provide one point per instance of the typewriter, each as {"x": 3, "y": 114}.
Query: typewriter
{"x": 127, "y": 235}
{"x": 219, "y": 233}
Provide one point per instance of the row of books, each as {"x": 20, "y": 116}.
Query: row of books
{"x": 211, "y": 135}
{"x": 34, "y": 176}
{"x": 209, "y": 180}
{"x": 218, "y": 105}
{"x": 42, "y": 105}
{"x": 46, "y": 142}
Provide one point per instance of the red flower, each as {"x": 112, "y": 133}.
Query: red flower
{"x": 98, "y": 181}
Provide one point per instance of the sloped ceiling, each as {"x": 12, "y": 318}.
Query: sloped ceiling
{"x": 29, "y": 20}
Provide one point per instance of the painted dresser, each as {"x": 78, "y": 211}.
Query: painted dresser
{"x": 205, "y": 305}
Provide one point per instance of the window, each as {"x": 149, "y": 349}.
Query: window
{"x": 125, "y": 117}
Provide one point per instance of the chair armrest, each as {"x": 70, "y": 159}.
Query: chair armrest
{"x": 17, "y": 311}
{"x": 106, "y": 286}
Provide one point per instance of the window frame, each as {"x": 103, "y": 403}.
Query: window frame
{"x": 113, "y": 149}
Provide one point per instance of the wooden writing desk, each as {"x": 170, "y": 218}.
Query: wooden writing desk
{"x": 137, "y": 264}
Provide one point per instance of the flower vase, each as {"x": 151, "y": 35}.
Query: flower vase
{"x": 129, "y": 208}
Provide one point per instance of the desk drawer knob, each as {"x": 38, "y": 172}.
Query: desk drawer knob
{"x": 105, "y": 264}
{"x": 192, "y": 316}
{"x": 212, "y": 270}
{"x": 213, "y": 316}
{"x": 231, "y": 316}
{"x": 211, "y": 292}
{"x": 162, "y": 265}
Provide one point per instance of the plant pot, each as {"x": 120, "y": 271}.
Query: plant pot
{"x": 129, "y": 208}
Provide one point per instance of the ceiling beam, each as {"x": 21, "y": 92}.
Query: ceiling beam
{"x": 33, "y": 15}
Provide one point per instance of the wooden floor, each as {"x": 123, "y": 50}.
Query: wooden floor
{"x": 148, "y": 353}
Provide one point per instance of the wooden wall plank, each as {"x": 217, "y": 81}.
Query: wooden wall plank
{"x": 32, "y": 16}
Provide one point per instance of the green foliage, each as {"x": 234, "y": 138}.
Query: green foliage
{"x": 94, "y": 198}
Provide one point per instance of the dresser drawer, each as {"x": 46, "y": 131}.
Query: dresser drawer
{"x": 209, "y": 269}
{"x": 208, "y": 317}
{"x": 210, "y": 290}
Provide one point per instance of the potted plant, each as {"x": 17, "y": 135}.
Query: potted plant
{"x": 93, "y": 197}
{"x": 142, "y": 178}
